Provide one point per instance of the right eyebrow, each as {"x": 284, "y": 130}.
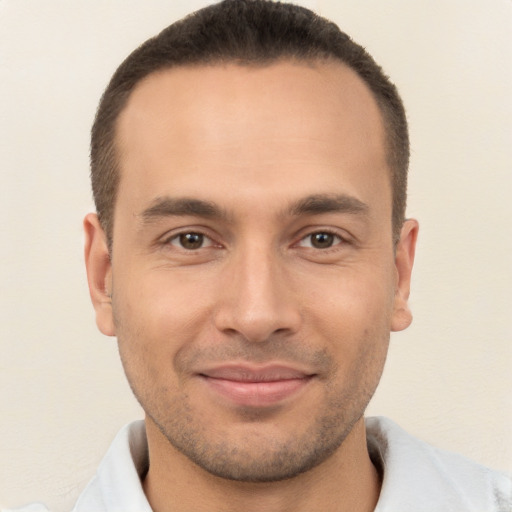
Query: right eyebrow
{"x": 172, "y": 207}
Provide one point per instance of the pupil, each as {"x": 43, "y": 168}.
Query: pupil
{"x": 191, "y": 240}
{"x": 322, "y": 240}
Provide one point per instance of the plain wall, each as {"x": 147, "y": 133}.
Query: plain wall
{"x": 63, "y": 395}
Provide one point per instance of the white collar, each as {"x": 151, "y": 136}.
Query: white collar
{"x": 417, "y": 476}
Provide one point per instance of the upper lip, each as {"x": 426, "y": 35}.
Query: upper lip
{"x": 250, "y": 373}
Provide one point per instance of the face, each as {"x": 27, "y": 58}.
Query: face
{"x": 253, "y": 278}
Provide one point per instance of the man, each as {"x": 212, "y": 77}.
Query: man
{"x": 251, "y": 254}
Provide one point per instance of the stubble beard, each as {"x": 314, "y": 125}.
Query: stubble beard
{"x": 257, "y": 458}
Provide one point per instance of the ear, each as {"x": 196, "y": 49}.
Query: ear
{"x": 404, "y": 259}
{"x": 99, "y": 273}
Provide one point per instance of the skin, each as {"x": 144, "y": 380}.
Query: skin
{"x": 291, "y": 263}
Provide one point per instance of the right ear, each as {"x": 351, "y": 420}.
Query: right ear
{"x": 99, "y": 273}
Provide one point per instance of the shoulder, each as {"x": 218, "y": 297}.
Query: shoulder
{"x": 116, "y": 486}
{"x": 420, "y": 477}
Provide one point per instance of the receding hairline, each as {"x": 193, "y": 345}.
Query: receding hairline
{"x": 248, "y": 32}
{"x": 309, "y": 62}
{"x": 226, "y": 63}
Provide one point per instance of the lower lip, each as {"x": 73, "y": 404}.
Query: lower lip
{"x": 256, "y": 394}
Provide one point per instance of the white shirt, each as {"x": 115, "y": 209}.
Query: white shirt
{"x": 417, "y": 476}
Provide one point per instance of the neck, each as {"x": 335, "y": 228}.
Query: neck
{"x": 347, "y": 481}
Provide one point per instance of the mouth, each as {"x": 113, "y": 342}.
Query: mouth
{"x": 250, "y": 386}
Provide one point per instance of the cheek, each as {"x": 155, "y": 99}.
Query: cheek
{"x": 160, "y": 301}
{"x": 351, "y": 298}
{"x": 353, "y": 312}
{"x": 154, "y": 320}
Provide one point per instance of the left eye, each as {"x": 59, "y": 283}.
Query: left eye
{"x": 320, "y": 240}
{"x": 191, "y": 241}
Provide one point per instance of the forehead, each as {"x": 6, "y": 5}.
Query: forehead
{"x": 201, "y": 127}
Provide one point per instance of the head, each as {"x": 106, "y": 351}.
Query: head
{"x": 246, "y": 33}
{"x": 248, "y": 164}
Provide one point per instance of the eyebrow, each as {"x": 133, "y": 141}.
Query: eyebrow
{"x": 317, "y": 204}
{"x": 170, "y": 207}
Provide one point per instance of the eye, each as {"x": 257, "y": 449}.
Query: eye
{"x": 190, "y": 241}
{"x": 320, "y": 240}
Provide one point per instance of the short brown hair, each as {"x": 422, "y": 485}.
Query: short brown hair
{"x": 246, "y": 32}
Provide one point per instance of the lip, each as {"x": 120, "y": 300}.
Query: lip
{"x": 251, "y": 386}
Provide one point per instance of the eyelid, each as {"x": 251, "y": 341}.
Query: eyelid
{"x": 174, "y": 234}
{"x": 344, "y": 238}
{"x": 207, "y": 241}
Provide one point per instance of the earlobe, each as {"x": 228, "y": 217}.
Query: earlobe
{"x": 99, "y": 273}
{"x": 404, "y": 260}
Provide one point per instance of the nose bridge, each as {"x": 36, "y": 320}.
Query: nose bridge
{"x": 256, "y": 274}
{"x": 255, "y": 301}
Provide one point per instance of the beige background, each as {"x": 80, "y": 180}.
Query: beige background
{"x": 448, "y": 379}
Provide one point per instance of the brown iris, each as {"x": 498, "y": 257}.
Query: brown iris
{"x": 191, "y": 241}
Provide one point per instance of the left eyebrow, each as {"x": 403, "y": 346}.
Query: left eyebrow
{"x": 317, "y": 204}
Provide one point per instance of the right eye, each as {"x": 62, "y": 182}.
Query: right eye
{"x": 190, "y": 241}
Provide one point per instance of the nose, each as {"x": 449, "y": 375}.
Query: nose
{"x": 257, "y": 300}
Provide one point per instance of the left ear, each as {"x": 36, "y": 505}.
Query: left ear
{"x": 404, "y": 259}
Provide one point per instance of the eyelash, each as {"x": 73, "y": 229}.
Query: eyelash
{"x": 177, "y": 237}
{"x": 339, "y": 240}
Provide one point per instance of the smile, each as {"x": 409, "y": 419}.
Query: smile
{"x": 250, "y": 387}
